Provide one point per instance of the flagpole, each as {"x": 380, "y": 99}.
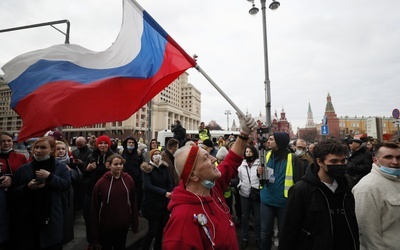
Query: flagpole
{"x": 219, "y": 90}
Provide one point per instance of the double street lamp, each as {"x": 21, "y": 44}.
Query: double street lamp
{"x": 254, "y": 10}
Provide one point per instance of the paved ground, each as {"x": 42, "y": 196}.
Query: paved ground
{"x": 133, "y": 240}
{"x": 79, "y": 243}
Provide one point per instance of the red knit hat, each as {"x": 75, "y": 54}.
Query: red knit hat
{"x": 103, "y": 138}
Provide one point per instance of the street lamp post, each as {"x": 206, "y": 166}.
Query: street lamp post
{"x": 227, "y": 113}
{"x": 267, "y": 83}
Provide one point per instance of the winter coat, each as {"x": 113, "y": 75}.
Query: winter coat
{"x": 243, "y": 174}
{"x": 156, "y": 183}
{"x": 179, "y": 132}
{"x": 377, "y": 198}
{"x": 308, "y": 218}
{"x": 82, "y": 154}
{"x": 273, "y": 194}
{"x": 133, "y": 159}
{"x": 29, "y": 206}
{"x": 359, "y": 165}
{"x": 183, "y": 232}
{"x": 91, "y": 177}
{"x": 113, "y": 204}
{"x": 12, "y": 161}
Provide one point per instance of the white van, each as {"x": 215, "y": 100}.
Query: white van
{"x": 164, "y": 135}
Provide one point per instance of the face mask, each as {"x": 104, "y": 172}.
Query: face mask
{"x": 156, "y": 158}
{"x": 336, "y": 171}
{"x": 299, "y": 152}
{"x": 200, "y": 145}
{"x": 42, "y": 159}
{"x": 387, "y": 170}
{"x": 130, "y": 147}
{"x": 249, "y": 158}
{"x": 206, "y": 183}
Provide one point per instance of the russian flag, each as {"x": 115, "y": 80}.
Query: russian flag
{"x": 67, "y": 84}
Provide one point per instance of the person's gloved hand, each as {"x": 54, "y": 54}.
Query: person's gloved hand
{"x": 247, "y": 124}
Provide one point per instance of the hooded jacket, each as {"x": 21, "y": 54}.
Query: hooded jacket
{"x": 94, "y": 175}
{"x": 183, "y": 231}
{"x": 114, "y": 204}
{"x": 273, "y": 193}
{"x": 315, "y": 215}
{"x": 133, "y": 159}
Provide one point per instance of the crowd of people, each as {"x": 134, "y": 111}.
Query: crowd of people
{"x": 197, "y": 194}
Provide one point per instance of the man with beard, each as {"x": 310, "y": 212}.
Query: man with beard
{"x": 320, "y": 212}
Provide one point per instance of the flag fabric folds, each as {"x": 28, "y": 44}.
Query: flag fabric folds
{"x": 67, "y": 84}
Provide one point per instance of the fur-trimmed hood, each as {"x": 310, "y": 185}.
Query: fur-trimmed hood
{"x": 147, "y": 167}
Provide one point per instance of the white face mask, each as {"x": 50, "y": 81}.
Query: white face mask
{"x": 156, "y": 158}
{"x": 42, "y": 159}
{"x": 299, "y": 152}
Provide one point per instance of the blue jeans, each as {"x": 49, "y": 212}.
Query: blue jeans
{"x": 268, "y": 215}
{"x": 253, "y": 206}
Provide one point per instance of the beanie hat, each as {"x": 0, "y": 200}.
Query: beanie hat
{"x": 208, "y": 143}
{"x": 152, "y": 153}
{"x": 282, "y": 140}
{"x": 222, "y": 152}
{"x": 103, "y": 138}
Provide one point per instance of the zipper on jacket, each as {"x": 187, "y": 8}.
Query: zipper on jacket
{"x": 347, "y": 221}
{"x": 329, "y": 210}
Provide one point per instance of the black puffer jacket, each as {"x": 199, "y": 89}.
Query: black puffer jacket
{"x": 308, "y": 220}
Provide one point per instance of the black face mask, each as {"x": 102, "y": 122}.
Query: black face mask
{"x": 336, "y": 171}
{"x": 249, "y": 158}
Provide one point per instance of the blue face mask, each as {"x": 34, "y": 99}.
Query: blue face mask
{"x": 130, "y": 147}
{"x": 391, "y": 171}
{"x": 206, "y": 183}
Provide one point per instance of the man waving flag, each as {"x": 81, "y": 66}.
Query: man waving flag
{"x": 46, "y": 84}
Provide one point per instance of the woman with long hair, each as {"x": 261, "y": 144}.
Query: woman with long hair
{"x": 37, "y": 195}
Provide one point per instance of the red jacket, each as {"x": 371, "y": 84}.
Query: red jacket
{"x": 12, "y": 161}
{"x": 184, "y": 232}
{"x": 114, "y": 204}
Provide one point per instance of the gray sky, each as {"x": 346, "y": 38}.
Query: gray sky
{"x": 347, "y": 48}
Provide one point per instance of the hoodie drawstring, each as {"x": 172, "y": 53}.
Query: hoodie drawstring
{"x": 109, "y": 190}
{"x": 126, "y": 188}
{"x": 127, "y": 193}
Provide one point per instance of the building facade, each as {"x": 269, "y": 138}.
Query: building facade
{"x": 342, "y": 126}
{"x": 178, "y": 101}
